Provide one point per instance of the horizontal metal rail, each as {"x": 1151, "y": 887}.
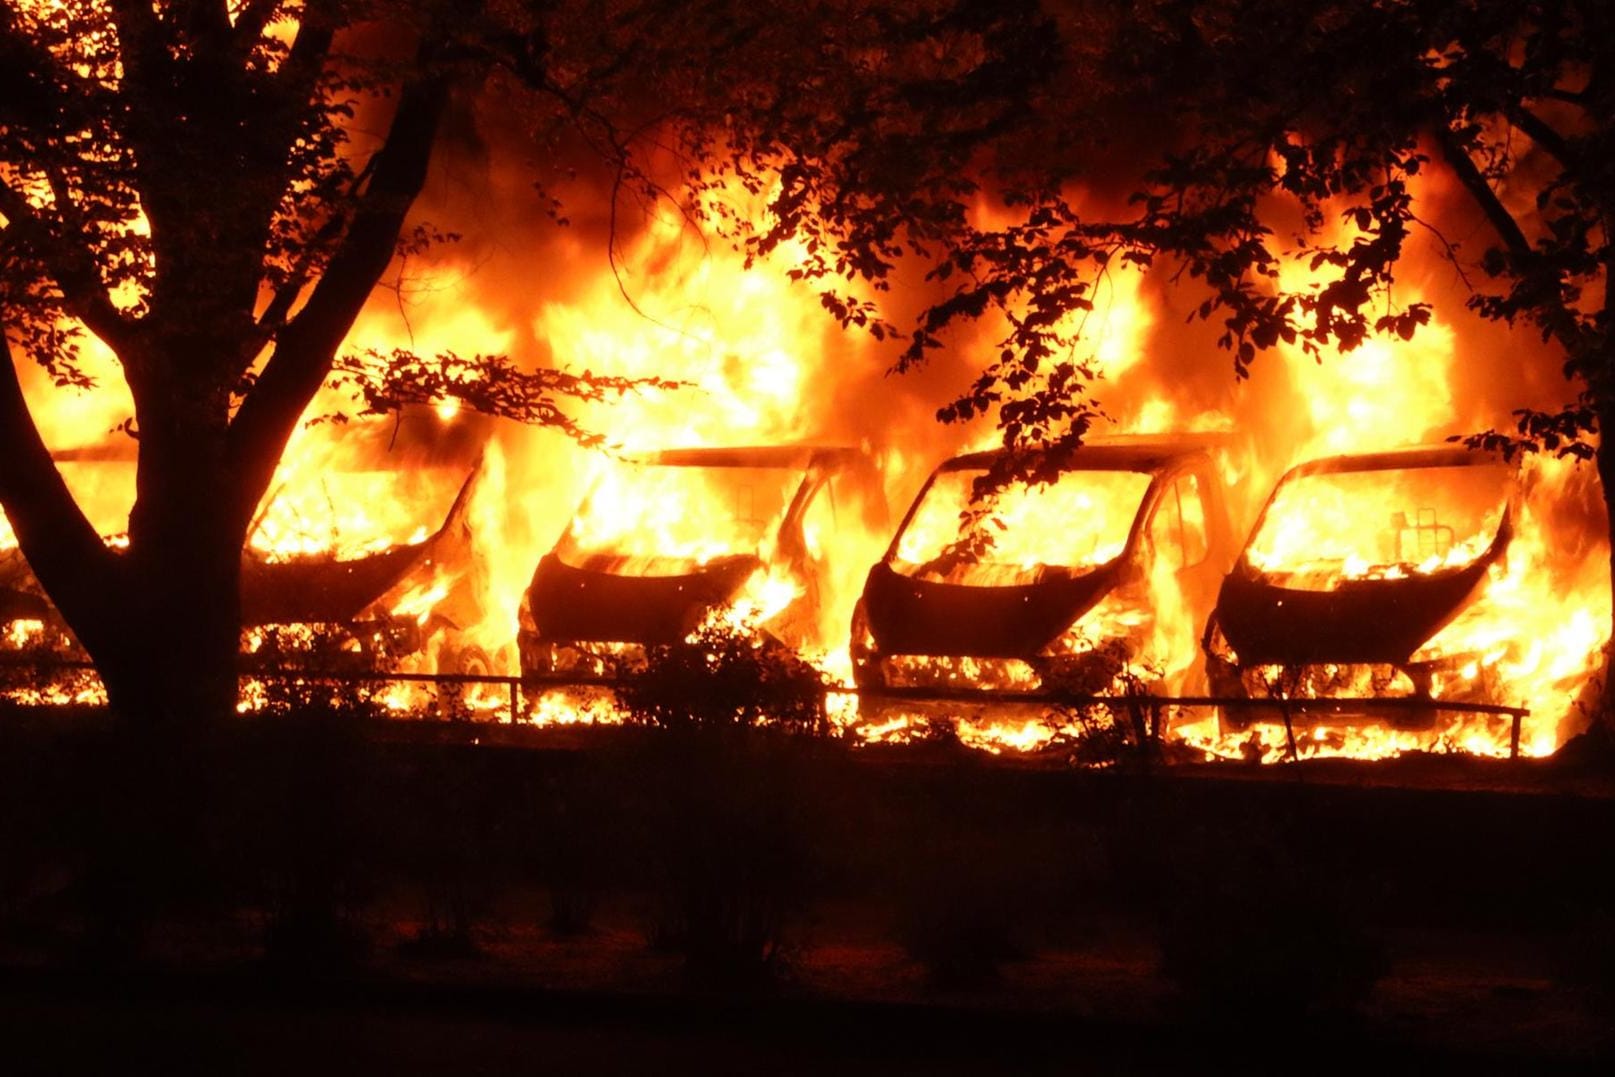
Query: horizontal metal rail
{"x": 964, "y": 695}
{"x": 518, "y": 686}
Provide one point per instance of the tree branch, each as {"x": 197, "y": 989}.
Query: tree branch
{"x": 70, "y": 267}
{"x": 251, "y": 21}
{"x": 72, "y": 563}
{"x": 208, "y": 20}
{"x": 24, "y": 74}
{"x": 1570, "y": 97}
{"x": 1543, "y": 135}
{"x": 138, "y": 48}
{"x": 305, "y": 348}
{"x": 1502, "y": 222}
{"x": 309, "y": 50}
{"x": 285, "y": 297}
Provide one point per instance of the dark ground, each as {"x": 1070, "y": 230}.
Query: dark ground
{"x": 1476, "y": 889}
{"x": 475, "y": 1021}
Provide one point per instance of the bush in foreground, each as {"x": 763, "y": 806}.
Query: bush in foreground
{"x": 734, "y": 717}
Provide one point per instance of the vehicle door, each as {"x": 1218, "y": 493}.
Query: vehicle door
{"x": 1181, "y": 541}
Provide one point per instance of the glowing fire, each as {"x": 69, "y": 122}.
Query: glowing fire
{"x": 1028, "y": 529}
{"x": 764, "y": 367}
{"x": 666, "y": 520}
{"x": 1322, "y": 529}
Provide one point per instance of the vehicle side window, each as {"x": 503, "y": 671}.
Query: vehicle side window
{"x": 1178, "y": 530}
{"x": 819, "y": 520}
{"x": 1192, "y": 508}
{"x": 1166, "y": 529}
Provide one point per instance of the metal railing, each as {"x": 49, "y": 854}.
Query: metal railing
{"x": 516, "y": 689}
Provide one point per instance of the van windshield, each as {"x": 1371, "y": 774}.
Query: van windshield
{"x": 1020, "y": 534}
{"x": 1324, "y": 528}
{"x": 649, "y": 519}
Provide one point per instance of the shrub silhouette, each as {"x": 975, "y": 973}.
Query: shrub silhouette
{"x": 958, "y": 918}
{"x": 734, "y": 716}
{"x": 453, "y": 846}
{"x": 303, "y": 801}
{"x": 723, "y": 679}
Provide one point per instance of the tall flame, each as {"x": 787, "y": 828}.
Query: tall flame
{"x": 763, "y": 365}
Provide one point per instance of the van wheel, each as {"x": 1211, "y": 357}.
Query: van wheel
{"x": 452, "y": 697}
{"x": 473, "y": 661}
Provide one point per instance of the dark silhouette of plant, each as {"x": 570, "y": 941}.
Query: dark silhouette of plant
{"x": 1123, "y": 730}
{"x": 451, "y": 849}
{"x": 571, "y": 837}
{"x": 734, "y": 718}
{"x": 1281, "y": 686}
{"x": 313, "y": 670}
{"x": 724, "y": 678}
{"x": 956, "y": 918}
{"x": 303, "y": 830}
{"x": 38, "y": 789}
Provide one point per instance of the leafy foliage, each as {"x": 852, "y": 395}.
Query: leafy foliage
{"x": 723, "y": 679}
{"x": 1126, "y": 731}
{"x": 998, "y": 149}
{"x": 738, "y": 716}
{"x": 1009, "y": 155}
{"x": 489, "y": 384}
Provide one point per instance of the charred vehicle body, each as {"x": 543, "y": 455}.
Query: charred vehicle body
{"x": 344, "y": 595}
{"x": 1364, "y": 579}
{"x": 1055, "y": 587}
{"x": 664, "y": 541}
{"x": 354, "y": 598}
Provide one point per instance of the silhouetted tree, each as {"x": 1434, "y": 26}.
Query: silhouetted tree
{"x": 182, "y": 180}
{"x": 737, "y": 718}
{"x": 179, "y": 179}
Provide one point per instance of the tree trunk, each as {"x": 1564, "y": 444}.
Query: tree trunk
{"x": 175, "y": 666}
{"x": 1598, "y": 372}
{"x": 166, "y": 644}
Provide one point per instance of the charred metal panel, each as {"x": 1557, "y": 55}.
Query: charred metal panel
{"x": 908, "y": 616}
{"x": 1357, "y": 621}
{"x": 570, "y": 603}
{"x": 293, "y": 592}
{"x": 18, "y": 605}
{"x": 15, "y": 575}
{"x": 319, "y": 591}
{"x": 1369, "y": 621}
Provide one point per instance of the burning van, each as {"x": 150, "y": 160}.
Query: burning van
{"x": 662, "y": 542}
{"x": 1052, "y": 587}
{"x": 344, "y": 593}
{"x": 1364, "y": 580}
{"x": 391, "y": 602}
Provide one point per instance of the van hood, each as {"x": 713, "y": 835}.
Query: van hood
{"x": 909, "y": 616}
{"x": 580, "y": 604}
